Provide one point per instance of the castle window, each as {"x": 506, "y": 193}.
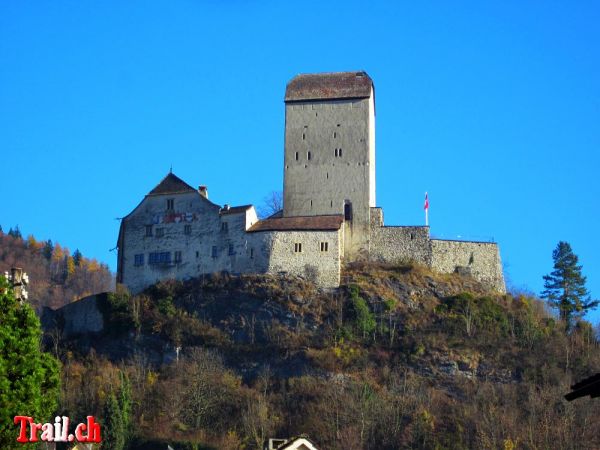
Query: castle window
{"x": 298, "y": 247}
{"x": 412, "y": 236}
{"x": 197, "y": 254}
{"x": 177, "y": 257}
{"x": 324, "y": 246}
{"x": 159, "y": 258}
{"x": 231, "y": 250}
{"x": 251, "y": 253}
{"x": 308, "y": 156}
{"x": 138, "y": 260}
{"x": 334, "y": 134}
{"x": 187, "y": 229}
{"x": 215, "y": 251}
{"x": 160, "y": 232}
{"x": 348, "y": 211}
{"x": 296, "y": 156}
{"x": 340, "y": 152}
{"x": 224, "y": 227}
{"x": 303, "y": 136}
{"x": 336, "y": 152}
{"x": 148, "y": 230}
{"x": 311, "y": 203}
{"x": 170, "y": 204}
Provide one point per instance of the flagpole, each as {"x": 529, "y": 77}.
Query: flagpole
{"x": 426, "y": 208}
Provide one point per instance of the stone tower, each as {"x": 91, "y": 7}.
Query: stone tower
{"x": 329, "y": 163}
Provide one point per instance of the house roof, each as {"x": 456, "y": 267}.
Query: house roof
{"x": 327, "y": 86}
{"x": 302, "y": 223}
{"x": 235, "y": 209}
{"x": 301, "y": 442}
{"x": 171, "y": 184}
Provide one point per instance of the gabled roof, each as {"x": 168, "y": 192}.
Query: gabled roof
{"x": 171, "y": 184}
{"x": 329, "y": 86}
{"x": 301, "y": 223}
{"x": 301, "y": 442}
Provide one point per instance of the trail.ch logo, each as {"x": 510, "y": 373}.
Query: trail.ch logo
{"x": 57, "y": 431}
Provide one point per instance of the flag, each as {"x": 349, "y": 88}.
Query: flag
{"x": 426, "y": 206}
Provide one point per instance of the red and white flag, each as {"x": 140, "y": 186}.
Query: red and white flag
{"x": 426, "y": 207}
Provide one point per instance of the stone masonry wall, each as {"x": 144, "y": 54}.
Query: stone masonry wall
{"x": 311, "y": 262}
{"x": 480, "y": 259}
{"x": 398, "y": 244}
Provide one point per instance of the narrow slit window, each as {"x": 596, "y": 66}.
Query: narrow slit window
{"x": 231, "y": 250}
{"x": 148, "y": 230}
{"x": 298, "y": 247}
{"x": 308, "y": 156}
{"x": 324, "y": 246}
{"x": 170, "y": 204}
{"x": 336, "y": 152}
{"x": 251, "y": 253}
{"x": 224, "y": 227}
{"x": 340, "y": 152}
{"x": 177, "y": 257}
{"x": 187, "y": 229}
{"x": 335, "y": 134}
{"x": 160, "y": 232}
{"x": 303, "y": 136}
{"x": 296, "y": 156}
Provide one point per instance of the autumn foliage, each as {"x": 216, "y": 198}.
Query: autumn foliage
{"x": 57, "y": 276}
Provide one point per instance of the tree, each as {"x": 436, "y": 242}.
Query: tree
{"x": 77, "y": 257}
{"x": 272, "y": 203}
{"x": 564, "y": 287}
{"x": 48, "y": 249}
{"x": 114, "y": 431}
{"x": 29, "y": 378}
{"x": 16, "y": 233}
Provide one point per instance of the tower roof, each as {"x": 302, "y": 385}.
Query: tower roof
{"x": 171, "y": 184}
{"x": 329, "y": 86}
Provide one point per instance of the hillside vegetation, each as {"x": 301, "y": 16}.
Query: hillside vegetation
{"x": 397, "y": 358}
{"x": 57, "y": 276}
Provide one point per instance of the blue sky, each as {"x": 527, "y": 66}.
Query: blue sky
{"x": 494, "y": 109}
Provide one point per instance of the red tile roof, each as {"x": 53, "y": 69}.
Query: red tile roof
{"x": 325, "y": 86}
{"x": 303, "y": 223}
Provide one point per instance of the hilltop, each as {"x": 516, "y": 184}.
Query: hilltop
{"x": 57, "y": 275}
{"x": 398, "y": 357}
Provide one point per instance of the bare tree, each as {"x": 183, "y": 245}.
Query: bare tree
{"x": 272, "y": 203}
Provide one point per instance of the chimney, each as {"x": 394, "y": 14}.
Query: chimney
{"x": 203, "y": 190}
{"x": 226, "y": 207}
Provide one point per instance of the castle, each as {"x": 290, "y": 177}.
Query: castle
{"x": 329, "y": 210}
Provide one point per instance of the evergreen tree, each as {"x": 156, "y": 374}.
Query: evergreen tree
{"x": 564, "y": 287}
{"x": 48, "y": 249}
{"x": 77, "y": 257}
{"x": 113, "y": 429}
{"x": 16, "y": 233}
{"x": 29, "y": 378}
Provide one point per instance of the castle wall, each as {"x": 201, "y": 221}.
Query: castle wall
{"x": 321, "y": 266}
{"x": 479, "y": 259}
{"x": 339, "y": 136}
{"x": 398, "y": 244}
